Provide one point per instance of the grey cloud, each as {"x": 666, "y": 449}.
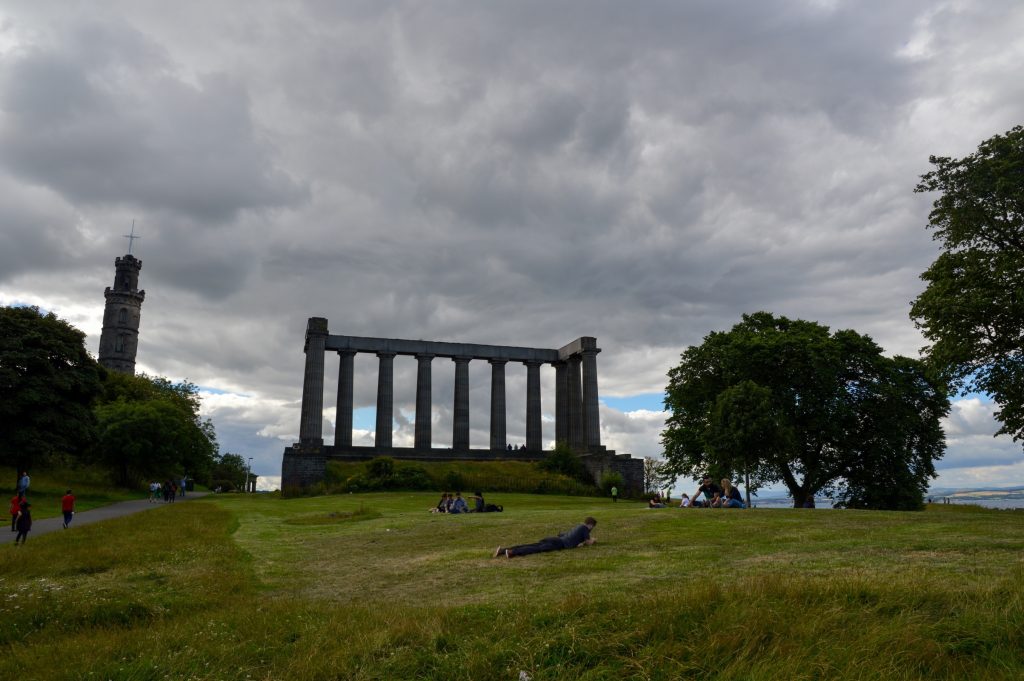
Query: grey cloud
{"x": 101, "y": 119}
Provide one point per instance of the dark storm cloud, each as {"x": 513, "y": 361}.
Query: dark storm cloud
{"x": 100, "y": 117}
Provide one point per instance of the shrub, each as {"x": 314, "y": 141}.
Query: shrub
{"x": 412, "y": 477}
{"x": 453, "y": 480}
{"x": 612, "y": 479}
{"x": 564, "y": 461}
{"x": 381, "y": 467}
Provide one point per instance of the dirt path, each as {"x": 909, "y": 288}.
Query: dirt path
{"x": 118, "y": 510}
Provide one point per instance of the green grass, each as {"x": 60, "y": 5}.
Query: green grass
{"x": 91, "y": 486}
{"x": 374, "y": 587}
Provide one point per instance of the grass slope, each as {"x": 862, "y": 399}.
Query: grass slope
{"x": 374, "y": 587}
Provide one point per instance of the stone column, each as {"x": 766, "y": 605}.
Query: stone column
{"x": 343, "y": 415}
{"x": 591, "y": 415}
{"x": 385, "y": 400}
{"x": 575, "y": 406}
{"x": 460, "y": 427}
{"x": 534, "y": 436}
{"x": 311, "y": 423}
{"x": 561, "y": 402}
{"x": 423, "y": 401}
{"x": 498, "y": 435}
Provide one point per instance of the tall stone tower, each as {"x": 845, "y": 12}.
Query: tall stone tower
{"x": 120, "y": 338}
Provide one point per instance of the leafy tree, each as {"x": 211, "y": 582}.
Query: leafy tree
{"x": 229, "y": 468}
{"x": 47, "y": 384}
{"x": 972, "y": 310}
{"x": 746, "y": 433}
{"x": 904, "y": 438}
{"x": 149, "y": 426}
{"x": 657, "y": 475}
{"x": 818, "y": 412}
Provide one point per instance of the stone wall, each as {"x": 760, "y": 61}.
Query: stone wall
{"x": 631, "y": 470}
{"x": 302, "y": 466}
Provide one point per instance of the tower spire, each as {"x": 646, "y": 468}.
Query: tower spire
{"x": 131, "y": 237}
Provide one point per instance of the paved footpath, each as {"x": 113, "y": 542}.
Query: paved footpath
{"x": 118, "y": 510}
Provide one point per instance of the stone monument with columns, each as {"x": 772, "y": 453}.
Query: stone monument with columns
{"x": 577, "y": 418}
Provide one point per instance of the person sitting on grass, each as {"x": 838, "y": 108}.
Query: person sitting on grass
{"x": 655, "y": 502}
{"x": 685, "y": 501}
{"x": 731, "y": 497}
{"x": 709, "y": 490}
{"x": 442, "y": 505}
{"x": 459, "y": 505}
{"x": 570, "y": 539}
{"x": 478, "y": 502}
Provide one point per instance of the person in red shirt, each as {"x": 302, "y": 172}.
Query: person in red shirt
{"x": 67, "y": 505}
{"x": 16, "y": 509}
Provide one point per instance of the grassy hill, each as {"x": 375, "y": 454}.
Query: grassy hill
{"x": 373, "y": 587}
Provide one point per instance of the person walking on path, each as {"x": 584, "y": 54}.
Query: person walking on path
{"x": 67, "y": 507}
{"x": 16, "y": 509}
{"x": 615, "y": 493}
{"x": 24, "y": 523}
{"x": 23, "y": 483}
{"x": 184, "y": 481}
{"x": 570, "y": 539}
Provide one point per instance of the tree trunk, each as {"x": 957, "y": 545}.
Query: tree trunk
{"x": 746, "y": 481}
{"x": 799, "y": 497}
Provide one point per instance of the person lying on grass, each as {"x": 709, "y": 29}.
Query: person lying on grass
{"x": 570, "y": 539}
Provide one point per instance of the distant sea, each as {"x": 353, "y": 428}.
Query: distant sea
{"x": 1008, "y": 500}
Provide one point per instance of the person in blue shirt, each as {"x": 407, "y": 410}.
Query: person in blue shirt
{"x": 23, "y": 483}
{"x": 570, "y": 539}
{"x": 459, "y": 505}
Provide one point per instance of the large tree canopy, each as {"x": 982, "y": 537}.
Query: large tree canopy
{"x": 818, "y": 412}
{"x": 47, "y": 385}
{"x": 972, "y": 311}
{"x": 150, "y": 427}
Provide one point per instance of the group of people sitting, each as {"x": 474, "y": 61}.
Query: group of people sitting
{"x": 450, "y": 503}
{"x": 726, "y": 496}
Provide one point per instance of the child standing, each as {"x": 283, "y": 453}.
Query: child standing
{"x": 67, "y": 507}
{"x": 24, "y": 522}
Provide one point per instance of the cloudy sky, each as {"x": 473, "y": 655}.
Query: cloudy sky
{"x": 519, "y": 173}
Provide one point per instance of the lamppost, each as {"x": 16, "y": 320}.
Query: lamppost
{"x": 248, "y": 471}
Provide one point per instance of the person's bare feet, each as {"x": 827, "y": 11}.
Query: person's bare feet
{"x": 498, "y": 552}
